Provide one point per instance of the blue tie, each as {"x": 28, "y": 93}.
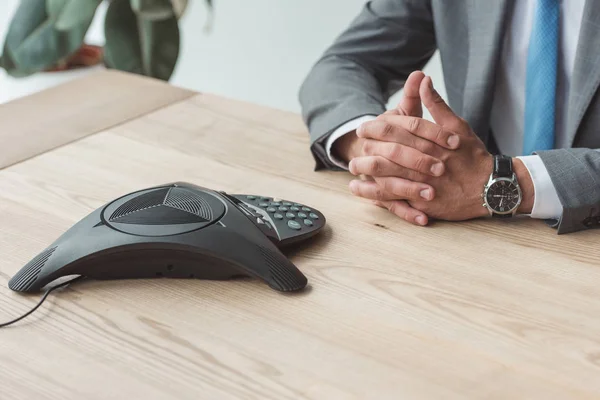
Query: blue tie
{"x": 540, "y": 88}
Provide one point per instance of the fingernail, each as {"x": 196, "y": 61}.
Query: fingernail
{"x": 420, "y": 220}
{"x": 453, "y": 141}
{"x": 426, "y": 194}
{"x": 437, "y": 169}
{"x": 351, "y": 167}
{"x": 431, "y": 84}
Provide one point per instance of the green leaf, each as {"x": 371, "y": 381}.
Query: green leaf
{"x": 69, "y": 14}
{"x": 140, "y": 45}
{"x": 155, "y": 10}
{"x": 34, "y": 44}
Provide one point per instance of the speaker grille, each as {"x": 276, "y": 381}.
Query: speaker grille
{"x": 168, "y": 206}
{"x": 23, "y": 280}
{"x": 160, "y": 215}
{"x": 285, "y": 276}
{"x": 185, "y": 200}
{"x": 142, "y": 202}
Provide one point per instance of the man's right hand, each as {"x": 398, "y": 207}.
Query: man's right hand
{"x": 350, "y": 147}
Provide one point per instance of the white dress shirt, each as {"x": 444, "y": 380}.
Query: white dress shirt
{"x": 508, "y": 109}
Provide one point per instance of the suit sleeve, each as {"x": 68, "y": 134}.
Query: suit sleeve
{"x": 368, "y": 63}
{"x": 576, "y": 177}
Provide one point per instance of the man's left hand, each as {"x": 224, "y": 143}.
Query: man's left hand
{"x": 457, "y": 191}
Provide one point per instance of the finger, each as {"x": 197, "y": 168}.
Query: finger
{"x": 405, "y": 189}
{"x": 369, "y": 190}
{"x": 404, "y": 156}
{"x": 411, "y": 99}
{"x": 439, "y": 110}
{"x": 392, "y": 188}
{"x": 380, "y": 166}
{"x": 411, "y": 131}
{"x": 406, "y": 212}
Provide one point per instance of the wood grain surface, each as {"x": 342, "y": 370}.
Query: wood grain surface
{"x": 35, "y": 124}
{"x": 478, "y": 310}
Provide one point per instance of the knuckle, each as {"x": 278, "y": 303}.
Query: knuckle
{"x": 374, "y": 167}
{"x": 366, "y": 147}
{"x": 420, "y": 163}
{"x": 396, "y": 152}
{"x": 378, "y": 194}
{"x": 413, "y": 124}
{"x": 440, "y": 135}
{"x": 408, "y": 191}
{"x": 386, "y": 130}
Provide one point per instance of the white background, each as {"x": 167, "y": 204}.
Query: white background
{"x": 258, "y": 50}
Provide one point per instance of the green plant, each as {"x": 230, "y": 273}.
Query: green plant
{"x": 142, "y": 36}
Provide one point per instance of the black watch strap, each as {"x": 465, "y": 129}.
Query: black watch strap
{"x": 503, "y": 167}
{"x": 496, "y": 215}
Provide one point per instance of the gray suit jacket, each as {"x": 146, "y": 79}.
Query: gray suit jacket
{"x": 391, "y": 38}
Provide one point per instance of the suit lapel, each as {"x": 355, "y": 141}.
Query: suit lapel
{"x": 586, "y": 74}
{"x": 486, "y": 27}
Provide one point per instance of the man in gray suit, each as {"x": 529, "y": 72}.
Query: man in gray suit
{"x": 522, "y": 78}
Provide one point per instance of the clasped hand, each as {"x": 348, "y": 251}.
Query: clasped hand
{"x": 419, "y": 169}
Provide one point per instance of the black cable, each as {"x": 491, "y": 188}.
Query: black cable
{"x": 44, "y": 297}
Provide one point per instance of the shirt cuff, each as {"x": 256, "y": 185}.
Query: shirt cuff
{"x": 546, "y": 204}
{"x": 348, "y": 127}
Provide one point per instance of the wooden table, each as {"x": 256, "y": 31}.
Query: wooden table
{"x": 478, "y": 310}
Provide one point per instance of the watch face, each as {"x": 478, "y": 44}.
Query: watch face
{"x": 503, "y": 196}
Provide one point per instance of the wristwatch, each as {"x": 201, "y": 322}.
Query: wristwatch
{"x": 502, "y": 194}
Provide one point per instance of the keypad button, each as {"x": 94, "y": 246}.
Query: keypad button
{"x": 271, "y": 209}
{"x": 251, "y": 197}
{"x": 308, "y": 222}
{"x": 290, "y": 215}
{"x": 278, "y": 216}
{"x": 294, "y": 225}
{"x": 306, "y": 209}
{"x": 265, "y": 198}
{"x": 313, "y": 216}
{"x": 275, "y": 204}
{"x": 264, "y": 205}
{"x": 287, "y": 203}
{"x": 294, "y": 208}
{"x": 277, "y": 199}
{"x": 298, "y": 204}
{"x": 282, "y": 208}
{"x": 301, "y": 215}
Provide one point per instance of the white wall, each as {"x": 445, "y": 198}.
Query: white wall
{"x": 258, "y": 50}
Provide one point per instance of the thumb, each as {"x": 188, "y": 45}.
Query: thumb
{"x": 440, "y": 111}
{"x": 410, "y": 105}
